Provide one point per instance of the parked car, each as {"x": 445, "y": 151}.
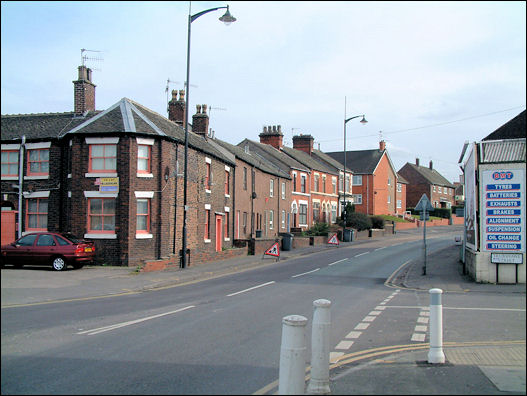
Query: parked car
{"x": 48, "y": 248}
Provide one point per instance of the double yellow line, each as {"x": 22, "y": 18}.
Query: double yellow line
{"x": 371, "y": 353}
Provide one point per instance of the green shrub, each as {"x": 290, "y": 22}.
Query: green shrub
{"x": 359, "y": 221}
{"x": 318, "y": 229}
{"x": 377, "y": 222}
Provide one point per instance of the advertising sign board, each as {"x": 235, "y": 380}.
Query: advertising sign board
{"x": 503, "y": 207}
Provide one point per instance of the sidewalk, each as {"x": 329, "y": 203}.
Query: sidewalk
{"x": 494, "y": 368}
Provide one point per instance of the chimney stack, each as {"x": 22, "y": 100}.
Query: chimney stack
{"x": 382, "y": 145}
{"x": 273, "y": 136}
{"x": 200, "y": 121}
{"x": 431, "y": 167}
{"x": 176, "y": 108}
{"x": 83, "y": 92}
{"x": 417, "y": 162}
{"x": 303, "y": 143}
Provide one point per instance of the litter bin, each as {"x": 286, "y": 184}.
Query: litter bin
{"x": 347, "y": 235}
{"x": 258, "y": 233}
{"x": 287, "y": 240}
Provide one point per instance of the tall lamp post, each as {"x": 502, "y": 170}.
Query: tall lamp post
{"x": 227, "y": 18}
{"x": 346, "y": 120}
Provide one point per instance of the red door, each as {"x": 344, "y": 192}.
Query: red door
{"x": 8, "y": 226}
{"x": 218, "y": 233}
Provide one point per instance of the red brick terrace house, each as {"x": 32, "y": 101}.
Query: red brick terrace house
{"x": 115, "y": 177}
{"x": 262, "y": 197}
{"x": 266, "y": 150}
{"x": 426, "y": 180}
{"x": 324, "y": 177}
{"x": 375, "y": 180}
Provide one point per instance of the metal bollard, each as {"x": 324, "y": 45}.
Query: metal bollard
{"x": 292, "y": 371}
{"x": 319, "y": 382}
{"x": 436, "y": 355}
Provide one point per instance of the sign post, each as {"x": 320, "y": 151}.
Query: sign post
{"x": 424, "y": 206}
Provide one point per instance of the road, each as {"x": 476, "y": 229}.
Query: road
{"x": 222, "y": 336}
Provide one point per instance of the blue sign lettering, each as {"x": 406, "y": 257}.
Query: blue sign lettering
{"x": 503, "y": 212}
{"x": 495, "y": 187}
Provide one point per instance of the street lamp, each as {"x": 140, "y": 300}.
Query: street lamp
{"x": 227, "y": 18}
{"x": 346, "y": 120}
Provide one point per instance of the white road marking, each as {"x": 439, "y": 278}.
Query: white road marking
{"x": 374, "y": 313}
{"x": 369, "y": 318}
{"x": 334, "y": 356}
{"x": 336, "y": 262}
{"x": 362, "y": 254}
{"x": 422, "y": 320}
{"x": 305, "y": 273}
{"x": 421, "y": 328}
{"x": 381, "y": 248}
{"x": 379, "y": 308}
{"x": 251, "y": 288}
{"x": 131, "y": 322}
{"x": 354, "y": 334}
{"x": 344, "y": 345}
{"x": 362, "y": 326}
{"x": 418, "y": 337}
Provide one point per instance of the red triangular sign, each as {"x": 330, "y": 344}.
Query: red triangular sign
{"x": 273, "y": 250}
{"x": 333, "y": 240}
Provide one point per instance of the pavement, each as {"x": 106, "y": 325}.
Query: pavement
{"x": 470, "y": 368}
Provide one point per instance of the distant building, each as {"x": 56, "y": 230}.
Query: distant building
{"x": 427, "y": 180}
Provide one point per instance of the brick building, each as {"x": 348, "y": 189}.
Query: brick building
{"x": 324, "y": 196}
{"x": 115, "y": 177}
{"x": 375, "y": 182}
{"x": 262, "y": 195}
{"x": 300, "y": 174}
{"x": 427, "y": 180}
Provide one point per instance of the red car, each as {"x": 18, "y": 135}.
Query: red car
{"x": 48, "y": 248}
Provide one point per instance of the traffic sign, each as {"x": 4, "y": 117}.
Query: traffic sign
{"x": 273, "y": 250}
{"x": 333, "y": 240}
{"x": 424, "y": 204}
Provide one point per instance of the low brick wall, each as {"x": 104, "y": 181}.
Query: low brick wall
{"x": 376, "y": 233}
{"x": 360, "y": 235}
{"x": 320, "y": 240}
{"x": 300, "y": 242}
{"x": 458, "y": 220}
{"x": 405, "y": 226}
{"x": 195, "y": 259}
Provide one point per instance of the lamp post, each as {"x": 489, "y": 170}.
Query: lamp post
{"x": 227, "y": 18}
{"x": 346, "y": 120}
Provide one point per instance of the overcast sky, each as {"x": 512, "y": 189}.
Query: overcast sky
{"x": 429, "y": 75}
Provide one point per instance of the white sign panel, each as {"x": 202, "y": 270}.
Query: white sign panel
{"x": 503, "y": 207}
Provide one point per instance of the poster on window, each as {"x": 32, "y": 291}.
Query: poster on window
{"x": 470, "y": 201}
{"x": 503, "y": 207}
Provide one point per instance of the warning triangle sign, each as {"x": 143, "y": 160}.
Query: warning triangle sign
{"x": 333, "y": 240}
{"x": 273, "y": 250}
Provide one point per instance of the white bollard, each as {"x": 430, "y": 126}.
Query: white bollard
{"x": 319, "y": 382}
{"x": 292, "y": 372}
{"x": 436, "y": 355}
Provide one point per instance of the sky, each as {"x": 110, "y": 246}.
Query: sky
{"x": 428, "y": 76}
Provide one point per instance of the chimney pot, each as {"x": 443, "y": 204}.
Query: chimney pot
{"x": 204, "y": 109}
{"x": 182, "y": 95}
{"x": 417, "y": 161}
{"x": 431, "y": 165}
{"x": 198, "y": 109}
{"x": 264, "y": 129}
{"x": 174, "y": 94}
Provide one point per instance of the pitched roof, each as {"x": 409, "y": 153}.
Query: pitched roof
{"x": 431, "y": 175}
{"x": 513, "y": 129}
{"x": 127, "y": 116}
{"x": 276, "y": 157}
{"x": 309, "y": 161}
{"x": 252, "y": 159}
{"x": 332, "y": 162}
{"x": 40, "y": 126}
{"x": 360, "y": 161}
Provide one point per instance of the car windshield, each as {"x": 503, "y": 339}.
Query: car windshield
{"x": 72, "y": 238}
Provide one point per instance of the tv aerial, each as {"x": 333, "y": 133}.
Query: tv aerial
{"x": 169, "y": 81}
{"x": 85, "y": 58}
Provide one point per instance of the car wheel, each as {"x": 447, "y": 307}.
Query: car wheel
{"x": 59, "y": 264}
